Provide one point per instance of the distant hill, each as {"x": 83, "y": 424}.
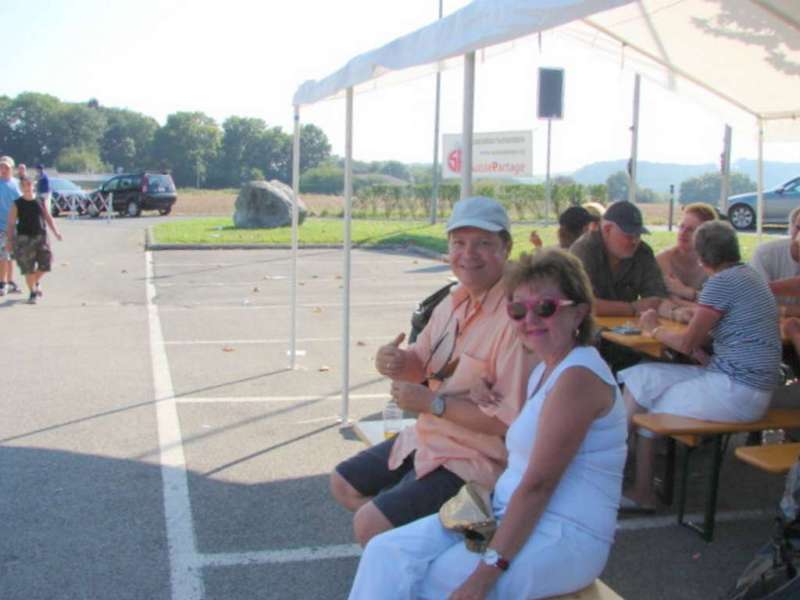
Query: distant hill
{"x": 659, "y": 176}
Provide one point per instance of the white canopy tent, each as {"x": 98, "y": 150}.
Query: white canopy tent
{"x": 746, "y": 53}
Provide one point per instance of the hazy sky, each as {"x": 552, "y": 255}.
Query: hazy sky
{"x": 247, "y": 58}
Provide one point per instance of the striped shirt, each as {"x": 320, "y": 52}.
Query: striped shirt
{"x": 747, "y": 342}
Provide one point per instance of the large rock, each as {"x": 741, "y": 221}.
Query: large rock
{"x": 264, "y": 205}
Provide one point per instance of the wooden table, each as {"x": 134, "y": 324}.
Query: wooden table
{"x": 640, "y": 342}
{"x": 775, "y": 458}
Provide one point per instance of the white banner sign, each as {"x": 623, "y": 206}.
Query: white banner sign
{"x": 495, "y": 155}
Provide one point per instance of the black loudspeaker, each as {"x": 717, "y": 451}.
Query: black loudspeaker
{"x": 551, "y": 94}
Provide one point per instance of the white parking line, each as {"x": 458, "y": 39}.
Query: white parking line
{"x": 248, "y": 306}
{"x": 281, "y": 556}
{"x": 268, "y": 341}
{"x": 310, "y": 553}
{"x": 267, "y": 399}
{"x": 185, "y": 568}
{"x": 640, "y": 523}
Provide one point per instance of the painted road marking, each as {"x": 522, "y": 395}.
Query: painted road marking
{"x": 263, "y": 557}
{"x": 248, "y": 399}
{"x": 410, "y": 302}
{"x": 186, "y": 576}
{"x": 269, "y": 341}
{"x": 312, "y": 553}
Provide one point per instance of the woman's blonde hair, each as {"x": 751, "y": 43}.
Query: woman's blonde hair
{"x": 561, "y": 268}
{"x": 701, "y": 210}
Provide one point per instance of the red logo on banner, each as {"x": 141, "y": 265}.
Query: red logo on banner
{"x": 454, "y": 161}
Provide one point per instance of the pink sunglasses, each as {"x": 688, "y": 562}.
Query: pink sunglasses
{"x": 544, "y": 308}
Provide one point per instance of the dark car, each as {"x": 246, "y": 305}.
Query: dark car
{"x": 778, "y": 203}
{"x": 135, "y": 192}
{"x": 66, "y": 196}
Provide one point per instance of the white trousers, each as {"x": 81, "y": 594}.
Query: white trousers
{"x": 693, "y": 391}
{"x": 422, "y": 560}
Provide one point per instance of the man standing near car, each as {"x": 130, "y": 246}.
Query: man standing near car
{"x": 9, "y": 191}
{"x": 43, "y": 192}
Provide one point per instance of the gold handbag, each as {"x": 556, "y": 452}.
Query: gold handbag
{"x": 470, "y": 512}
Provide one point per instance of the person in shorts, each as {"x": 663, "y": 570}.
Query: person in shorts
{"x": 468, "y": 346}
{"x": 26, "y": 233}
{"x": 9, "y": 191}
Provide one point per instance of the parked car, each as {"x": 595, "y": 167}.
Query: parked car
{"x": 135, "y": 192}
{"x": 778, "y": 203}
{"x": 67, "y": 196}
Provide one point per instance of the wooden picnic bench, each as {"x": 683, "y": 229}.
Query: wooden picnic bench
{"x": 691, "y": 433}
{"x": 775, "y": 458}
{"x": 371, "y": 433}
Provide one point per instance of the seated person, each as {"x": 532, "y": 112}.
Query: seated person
{"x": 469, "y": 339}
{"x": 623, "y": 270}
{"x": 556, "y": 502}
{"x": 680, "y": 266}
{"x": 597, "y": 210}
{"x": 735, "y": 384}
{"x": 572, "y": 224}
{"x": 780, "y": 259}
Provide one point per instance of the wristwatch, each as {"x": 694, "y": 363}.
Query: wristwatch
{"x": 492, "y": 558}
{"x": 438, "y": 405}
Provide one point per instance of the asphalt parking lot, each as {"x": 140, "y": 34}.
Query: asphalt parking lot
{"x": 154, "y": 443}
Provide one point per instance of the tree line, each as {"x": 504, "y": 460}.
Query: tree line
{"x": 87, "y": 137}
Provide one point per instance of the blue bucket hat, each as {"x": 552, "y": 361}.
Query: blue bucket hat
{"x": 480, "y": 212}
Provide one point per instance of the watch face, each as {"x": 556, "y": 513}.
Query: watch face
{"x": 490, "y": 557}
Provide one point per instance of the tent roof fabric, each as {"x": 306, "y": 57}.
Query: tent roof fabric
{"x": 746, "y": 52}
{"x": 480, "y": 24}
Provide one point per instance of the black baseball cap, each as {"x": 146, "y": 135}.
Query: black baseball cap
{"x": 626, "y": 216}
{"x": 575, "y": 218}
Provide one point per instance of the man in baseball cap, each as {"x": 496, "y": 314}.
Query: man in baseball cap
{"x": 622, "y": 268}
{"x": 468, "y": 342}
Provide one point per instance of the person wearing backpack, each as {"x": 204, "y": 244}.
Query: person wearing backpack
{"x": 469, "y": 346}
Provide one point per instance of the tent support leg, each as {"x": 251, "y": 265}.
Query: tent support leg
{"x": 348, "y": 204}
{"x": 468, "y": 125}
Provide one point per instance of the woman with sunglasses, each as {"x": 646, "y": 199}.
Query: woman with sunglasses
{"x": 737, "y": 313}
{"x": 556, "y": 502}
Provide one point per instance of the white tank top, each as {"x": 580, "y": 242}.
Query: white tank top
{"x": 588, "y": 494}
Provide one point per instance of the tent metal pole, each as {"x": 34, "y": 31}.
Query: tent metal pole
{"x": 760, "y": 201}
{"x": 295, "y": 220}
{"x": 435, "y": 186}
{"x": 468, "y": 124}
{"x": 348, "y": 204}
{"x": 548, "y": 186}
{"x": 725, "y": 167}
{"x": 634, "y": 141}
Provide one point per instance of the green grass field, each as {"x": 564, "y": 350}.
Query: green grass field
{"x": 220, "y": 231}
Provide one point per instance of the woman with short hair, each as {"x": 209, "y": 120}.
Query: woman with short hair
{"x": 556, "y": 503}
{"x": 738, "y": 312}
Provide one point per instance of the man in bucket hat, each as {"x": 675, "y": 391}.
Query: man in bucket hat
{"x": 468, "y": 342}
